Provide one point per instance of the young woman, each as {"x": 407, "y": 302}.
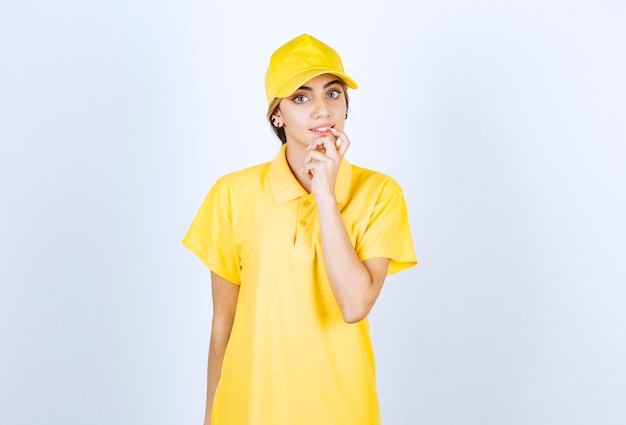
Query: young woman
{"x": 298, "y": 249}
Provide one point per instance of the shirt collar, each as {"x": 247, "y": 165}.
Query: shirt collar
{"x": 285, "y": 187}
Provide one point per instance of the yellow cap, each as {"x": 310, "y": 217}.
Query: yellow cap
{"x": 299, "y": 60}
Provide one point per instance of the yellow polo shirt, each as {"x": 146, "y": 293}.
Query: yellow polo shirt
{"x": 291, "y": 359}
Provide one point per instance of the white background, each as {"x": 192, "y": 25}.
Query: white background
{"x": 503, "y": 122}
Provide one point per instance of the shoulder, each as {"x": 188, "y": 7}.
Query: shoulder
{"x": 246, "y": 173}
{"x": 364, "y": 179}
{"x": 245, "y": 179}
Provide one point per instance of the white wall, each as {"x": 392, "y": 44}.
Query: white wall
{"x": 503, "y": 121}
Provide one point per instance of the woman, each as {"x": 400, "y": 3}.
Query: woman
{"x": 298, "y": 249}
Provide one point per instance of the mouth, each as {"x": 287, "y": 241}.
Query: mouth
{"x": 323, "y": 131}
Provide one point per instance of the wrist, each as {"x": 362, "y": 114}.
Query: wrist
{"x": 324, "y": 200}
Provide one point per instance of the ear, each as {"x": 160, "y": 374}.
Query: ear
{"x": 277, "y": 118}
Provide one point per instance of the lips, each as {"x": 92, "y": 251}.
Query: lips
{"x": 322, "y": 130}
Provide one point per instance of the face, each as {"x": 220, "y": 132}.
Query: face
{"x": 310, "y": 112}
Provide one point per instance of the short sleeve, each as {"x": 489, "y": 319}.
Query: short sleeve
{"x": 210, "y": 235}
{"x": 388, "y": 233}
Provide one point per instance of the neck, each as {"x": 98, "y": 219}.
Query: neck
{"x": 295, "y": 159}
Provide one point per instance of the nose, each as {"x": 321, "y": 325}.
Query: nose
{"x": 320, "y": 109}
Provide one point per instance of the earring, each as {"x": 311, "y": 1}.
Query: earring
{"x": 276, "y": 122}
{"x": 346, "y": 115}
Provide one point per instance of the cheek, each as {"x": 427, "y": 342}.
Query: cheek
{"x": 295, "y": 122}
{"x": 340, "y": 109}
{"x": 341, "y": 114}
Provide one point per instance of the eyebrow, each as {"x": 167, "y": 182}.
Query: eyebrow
{"x": 328, "y": 84}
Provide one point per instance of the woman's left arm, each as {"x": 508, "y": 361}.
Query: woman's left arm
{"x": 355, "y": 284}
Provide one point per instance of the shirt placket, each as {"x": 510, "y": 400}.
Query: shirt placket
{"x": 304, "y": 243}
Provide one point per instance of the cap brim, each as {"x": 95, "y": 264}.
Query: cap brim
{"x": 300, "y": 78}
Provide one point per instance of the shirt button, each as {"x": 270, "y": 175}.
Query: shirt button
{"x": 307, "y": 202}
{"x": 302, "y": 222}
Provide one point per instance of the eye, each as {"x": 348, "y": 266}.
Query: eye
{"x": 333, "y": 94}
{"x": 300, "y": 98}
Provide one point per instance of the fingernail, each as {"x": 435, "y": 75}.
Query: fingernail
{"x": 333, "y": 130}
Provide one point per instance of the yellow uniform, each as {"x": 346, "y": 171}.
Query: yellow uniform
{"x": 291, "y": 359}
